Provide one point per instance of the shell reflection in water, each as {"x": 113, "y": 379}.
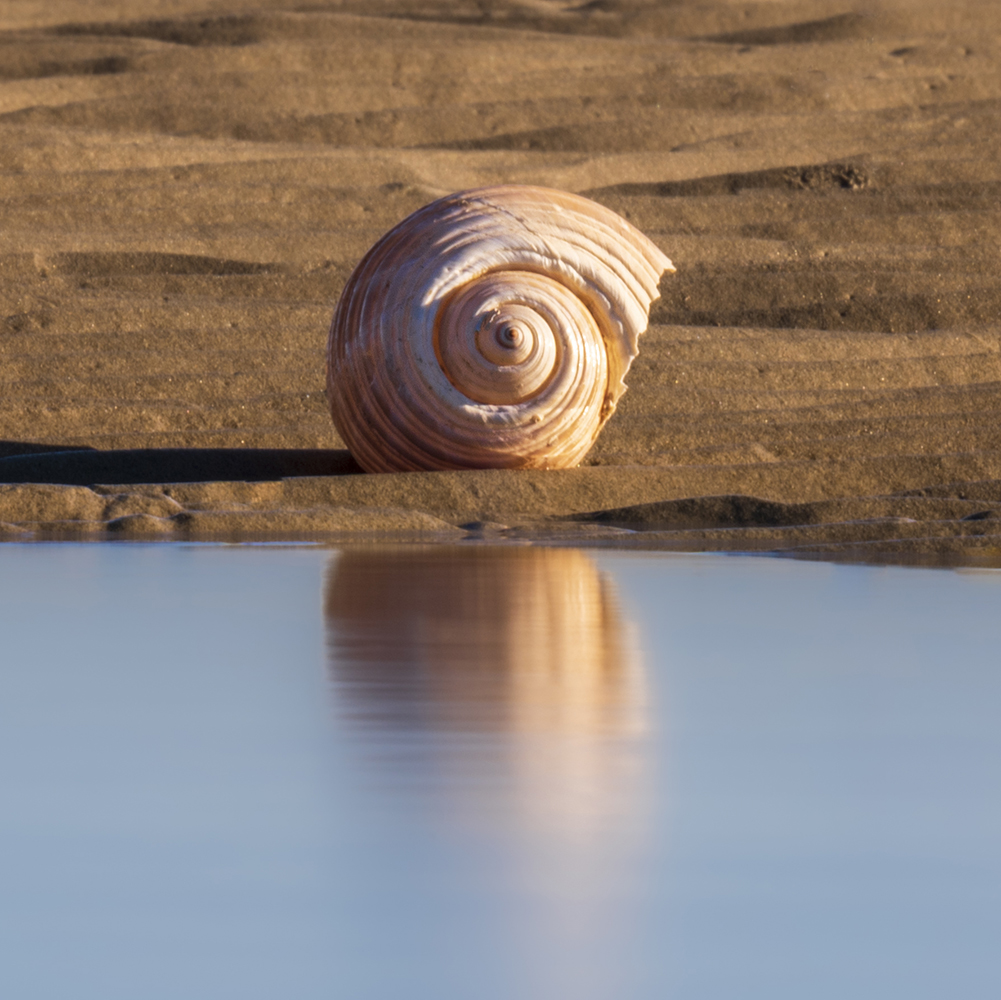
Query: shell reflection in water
{"x": 491, "y": 329}
{"x": 497, "y": 689}
{"x": 432, "y": 647}
{"x": 482, "y": 639}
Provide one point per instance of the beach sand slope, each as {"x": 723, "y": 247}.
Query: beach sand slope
{"x": 185, "y": 187}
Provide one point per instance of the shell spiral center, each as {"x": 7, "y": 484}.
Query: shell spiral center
{"x": 503, "y": 338}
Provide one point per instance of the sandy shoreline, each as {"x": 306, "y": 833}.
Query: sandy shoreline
{"x": 952, "y": 524}
{"x": 184, "y": 188}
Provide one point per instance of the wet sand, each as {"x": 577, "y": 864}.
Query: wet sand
{"x": 185, "y": 187}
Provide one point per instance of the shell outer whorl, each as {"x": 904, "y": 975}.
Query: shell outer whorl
{"x": 490, "y": 329}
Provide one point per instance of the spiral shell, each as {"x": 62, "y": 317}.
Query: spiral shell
{"x": 491, "y": 329}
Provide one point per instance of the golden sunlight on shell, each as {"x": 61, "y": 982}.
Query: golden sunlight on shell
{"x": 491, "y": 329}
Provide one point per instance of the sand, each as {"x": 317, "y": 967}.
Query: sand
{"x": 185, "y": 186}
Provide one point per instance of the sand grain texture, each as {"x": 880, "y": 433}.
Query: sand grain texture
{"x": 184, "y": 188}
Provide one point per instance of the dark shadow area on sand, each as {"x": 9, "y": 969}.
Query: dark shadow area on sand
{"x": 26, "y": 463}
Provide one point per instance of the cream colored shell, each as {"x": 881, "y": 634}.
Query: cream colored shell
{"x": 490, "y": 329}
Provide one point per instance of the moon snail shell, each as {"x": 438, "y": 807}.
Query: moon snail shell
{"x": 491, "y": 329}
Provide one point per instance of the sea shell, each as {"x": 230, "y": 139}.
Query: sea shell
{"x": 491, "y": 329}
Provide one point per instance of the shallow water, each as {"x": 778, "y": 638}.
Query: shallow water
{"x": 495, "y": 772}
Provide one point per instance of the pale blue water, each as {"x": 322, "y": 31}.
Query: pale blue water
{"x": 260, "y": 772}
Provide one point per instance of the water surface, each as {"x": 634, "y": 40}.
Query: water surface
{"x": 494, "y": 772}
